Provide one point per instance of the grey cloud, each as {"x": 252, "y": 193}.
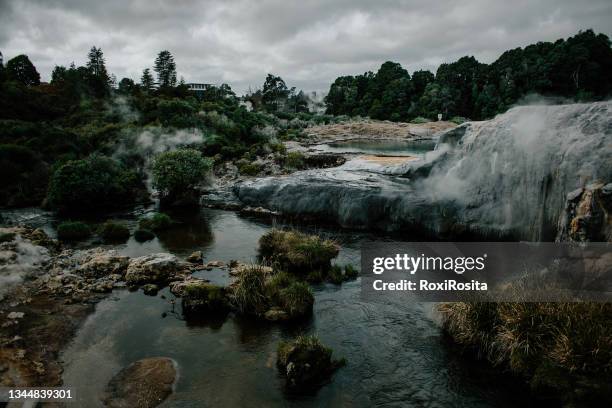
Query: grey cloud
{"x": 308, "y": 43}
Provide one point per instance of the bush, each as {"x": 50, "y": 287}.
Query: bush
{"x": 249, "y": 292}
{"x": 113, "y": 231}
{"x": 554, "y": 345}
{"x": 458, "y": 120}
{"x": 156, "y": 222}
{"x": 91, "y": 184}
{"x": 250, "y": 169}
{"x": 73, "y": 231}
{"x": 178, "y": 172}
{"x": 297, "y": 252}
{"x": 295, "y": 160}
{"x": 419, "y": 120}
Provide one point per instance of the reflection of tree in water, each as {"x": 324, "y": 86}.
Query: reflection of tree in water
{"x": 213, "y": 320}
{"x": 193, "y": 230}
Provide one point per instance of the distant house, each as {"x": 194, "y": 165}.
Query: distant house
{"x": 199, "y": 88}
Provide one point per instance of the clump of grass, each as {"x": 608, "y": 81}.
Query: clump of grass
{"x": 114, "y": 231}
{"x": 297, "y": 252}
{"x": 296, "y": 299}
{"x": 350, "y": 272}
{"x": 553, "y": 345}
{"x": 335, "y": 275}
{"x": 73, "y": 231}
{"x": 249, "y": 291}
{"x": 305, "y": 362}
{"x": 155, "y": 222}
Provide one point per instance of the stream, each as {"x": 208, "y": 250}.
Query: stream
{"x": 397, "y": 355}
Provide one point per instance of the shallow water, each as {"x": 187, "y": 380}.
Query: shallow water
{"x": 397, "y": 355}
{"x": 385, "y": 147}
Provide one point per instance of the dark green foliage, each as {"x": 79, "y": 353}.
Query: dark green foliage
{"x": 165, "y": 69}
{"x": 22, "y": 70}
{"x": 23, "y": 177}
{"x": 7, "y": 236}
{"x": 156, "y": 222}
{"x": 91, "y": 184}
{"x": 295, "y": 160}
{"x": 250, "y": 169}
{"x": 177, "y": 172}
{"x": 112, "y": 231}
{"x": 579, "y": 68}
{"x": 73, "y": 231}
{"x": 143, "y": 235}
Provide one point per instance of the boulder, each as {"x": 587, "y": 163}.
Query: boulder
{"x": 150, "y": 289}
{"x": 195, "y": 257}
{"x": 276, "y": 315}
{"x": 587, "y": 214}
{"x": 154, "y": 268}
{"x": 99, "y": 262}
{"x": 143, "y": 384}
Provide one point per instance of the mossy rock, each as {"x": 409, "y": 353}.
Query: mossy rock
{"x": 156, "y": 222}
{"x": 204, "y": 297}
{"x": 305, "y": 363}
{"x": 112, "y": 231}
{"x": 296, "y": 299}
{"x": 73, "y": 231}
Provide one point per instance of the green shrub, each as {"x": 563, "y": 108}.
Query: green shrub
{"x": 295, "y": 160}
{"x": 179, "y": 171}
{"x": 297, "y": 252}
{"x": 94, "y": 183}
{"x": 156, "y": 222}
{"x": 419, "y": 120}
{"x": 458, "y": 120}
{"x": 73, "y": 231}
{"x": 7, "y": 236}
{"x": 113, "y": 231}
{"x": 250, "y": 169}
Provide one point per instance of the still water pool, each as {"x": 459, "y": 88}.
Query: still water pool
{"x": 397, "y": 355}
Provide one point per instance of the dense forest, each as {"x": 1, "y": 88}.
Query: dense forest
{"x": 85, "y": 141}
{"x": 579, "y": 68}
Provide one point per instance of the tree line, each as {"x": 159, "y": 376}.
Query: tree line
{"x": 579, "y": 68}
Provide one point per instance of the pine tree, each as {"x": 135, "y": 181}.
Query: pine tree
{"x": 146, "y": 81}
{"x": 165, "y": 69}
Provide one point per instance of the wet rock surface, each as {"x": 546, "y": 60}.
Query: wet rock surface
{"x": 145, "y": 383}
{"x": 506, "y": 177}
{"x": 154, "y": 268}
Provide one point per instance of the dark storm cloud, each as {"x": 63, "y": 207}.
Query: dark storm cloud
{"x": 308, "y": 43}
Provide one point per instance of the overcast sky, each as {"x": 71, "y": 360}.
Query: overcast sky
{"x": 308, "y": 43}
